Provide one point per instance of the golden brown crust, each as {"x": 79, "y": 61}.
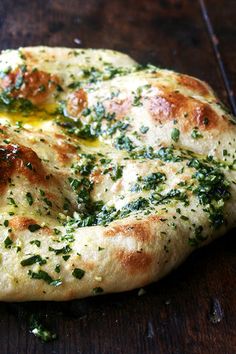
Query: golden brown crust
{"x": 138, "y": 262}
{"x": 77, "y": 101}
{"x": 199, "y": 87}
{"x": 15, "y": 159}
{"x": 35, "y": 85}
{"x": 120, "y": 107}
{"x": 139, "y": 231}
{"x": 20, "y": 223}
{"x": 64, "y": 150}
{"x": 189, "y": 112}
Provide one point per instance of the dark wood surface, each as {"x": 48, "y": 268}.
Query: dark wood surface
{"x": 175, "y": 314}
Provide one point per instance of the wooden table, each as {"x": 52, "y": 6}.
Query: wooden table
{"x": 174, "y": 316}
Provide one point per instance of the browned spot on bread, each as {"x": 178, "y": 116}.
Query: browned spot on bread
{"x": 118, "y": 106}
{"x": 16, "y": 159}
{"x": 161, "y": 109}
{"x": 77, "y": 101}
{"x": 63, "y": 150}
{"x": 35, "y": 85}
{"x": 204, "y": 117}
{"x": 20, "y": 223}
{"x": 156, "y": 218}
{"x": 134, "y": 262}
{"x": 188, "y": 111}
{"x": 59, "y": 136}
{"x": 96, "y": 176}
{"x": 193, "y": 84}
{"x": 139, "y": 230}
{"x": 47, "y": 230}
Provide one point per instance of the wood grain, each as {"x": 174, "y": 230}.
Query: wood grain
{"x": 174, "y": 314}
{"x": 220, "y": 24}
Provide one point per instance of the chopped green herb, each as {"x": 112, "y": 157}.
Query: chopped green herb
{"x": 62, "y": 250}
{"x": 78, "y": 273}
{"x": 35, "y": 242}
{"x": 58, "y": 268}
{"x": 66, "y": 258}
{"x": 117, "y": 172}
{"x": 124, "y": 143}
{"x": 6, "y": 223}
{"x": 42, "y": 275}
{"x": 34, "y": 227}
{"x": 29, "y": 165}
{"x": 98, "y": 290}
{"x": 12, "y": 202}
{"x": 175, "y": 133}
{"x": 143, "y": 129}
{"x": 8, "y": 242}
{"x": 29, "y": 198}
{"x": 196, "y": 134}
{"x": 32, "y": 260}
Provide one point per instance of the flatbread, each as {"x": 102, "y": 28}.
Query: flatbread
{"x": 111, "y": 173}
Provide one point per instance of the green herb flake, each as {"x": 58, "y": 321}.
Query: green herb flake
{"x": 66, "y": 258}
{"x": 11, "y": 201}
{"x": 42, "y": 275}
{"x": 63, "y": 250}
{"x": 47, "y": 201}
{"x": 29, "y": 165}
{"x": 35, "y": 242}
{"x": 143, "y": 129}
{"x": 32, "y": 260}
{"x": 58, "y": 268}
{"x": 29, "y": 198}
{"x": 98, "y": 290}
{"x": 78, "y": 273}
{"x": 34, "y": 227}
{"x": 117, "y": 172}
{"x": 6, "y": 223}
{"x": 175, "y": 133}
{"x": 8, "y": 242}
{"x": 196, "y": 134}
{"x": 42, "y": 193}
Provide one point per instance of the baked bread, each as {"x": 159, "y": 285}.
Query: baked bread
{"x": 111, "y": 173}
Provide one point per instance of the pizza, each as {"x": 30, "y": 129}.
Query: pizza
{"x": 111, "y": 173}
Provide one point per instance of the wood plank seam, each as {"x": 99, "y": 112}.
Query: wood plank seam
{"x": 217, "y": 53}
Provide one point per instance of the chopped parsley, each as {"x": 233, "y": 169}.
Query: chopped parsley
{"x": 143, "y": 129}
{"x": 42, "y": 275}
{"x": 124, "y": 143}
{"x": 32, "y": 260}
{"x": 175, "y": 133}
{"x": 35, "y": 242}
{"x": 212, "y": 190}
{"x": 29, "y": 198}
{"x": 8, "y": 242}
{"x": 151, "y": 181}
{"x": 196, "y": 134}
{"x": 98, "y": 290}
{"x": 34, "y": 227}
{"x": 63, "y": 250}
{"x": 117, "y": 172}
{"x": 78, "y": 273}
